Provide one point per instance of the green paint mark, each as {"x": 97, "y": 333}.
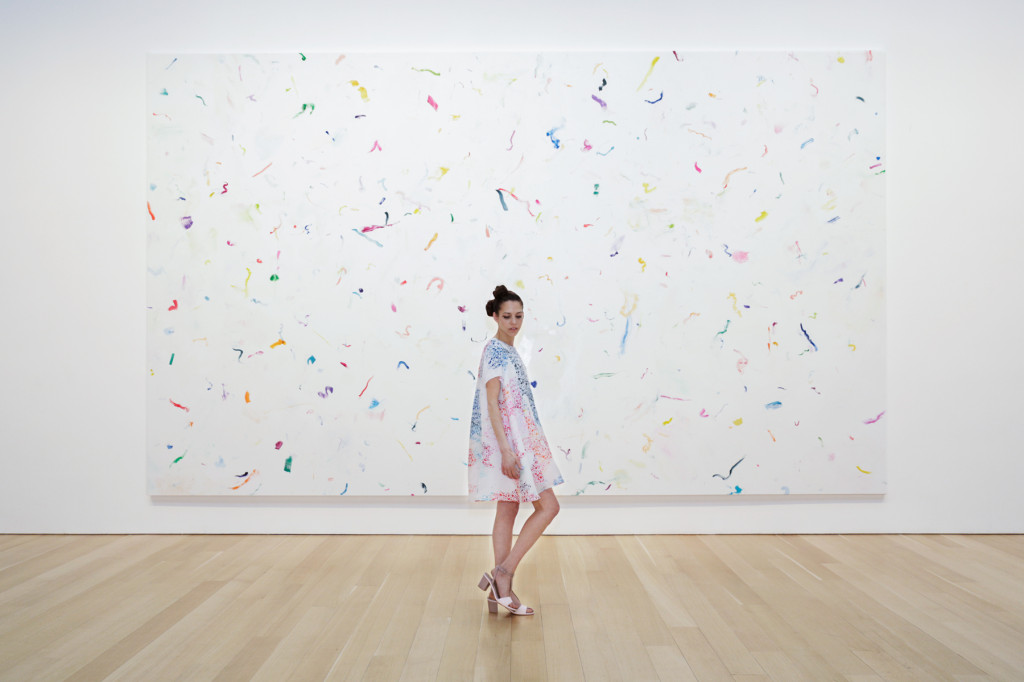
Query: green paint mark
{"x": 308, "y": 105}
{"x": 201, "y": 100}
{"x": 164, "y": 91}
{"x": 724, "y": 330}
{"x": 288, "y": 464}
{"x": 178, "y": 460}
{"x": 596, "y": 186}
{"x": 604, "y": 374}
{"x": 303, "y": 56}
{"x": 612, "y": 122}
{"x": 274, "y": 278}
{"x": 258, "y": 209}
{"x": 671, "y": 225}
{"x": 172, "y": 359}
{"x": 453, "y": 216}
{"x": 427, "y": 70}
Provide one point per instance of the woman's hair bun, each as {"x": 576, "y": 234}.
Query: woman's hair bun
{"x": 501, "y": 294}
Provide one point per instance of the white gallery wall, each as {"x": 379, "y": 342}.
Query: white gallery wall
{"x": 73, "y": 258}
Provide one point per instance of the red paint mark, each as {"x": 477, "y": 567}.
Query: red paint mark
{"x": 376, "y": 147}
{"x": 796, "y": 294}
{"x": 225, "y": 188}
{"x": 765, "y": 152}
{"x": 278, "y": 444}
{"x": 180, "y": 407}
{"x": 431, "y": 102}
{"x": 174, "y": 306}
{"x": 150, "y": 209}
{"x": 365, "y": 387}
{"x": 264, "y": 168}
{"x": 343, "y": 364}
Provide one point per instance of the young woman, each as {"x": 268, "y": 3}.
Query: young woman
{"x": 509, "y": 458}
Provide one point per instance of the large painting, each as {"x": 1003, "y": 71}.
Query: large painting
{"x": 699, "y": 239}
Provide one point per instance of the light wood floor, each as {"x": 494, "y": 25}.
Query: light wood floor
{"x": 893, "y": 607}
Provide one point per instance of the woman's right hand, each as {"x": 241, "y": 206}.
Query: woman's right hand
{"x": 509, "y": 462}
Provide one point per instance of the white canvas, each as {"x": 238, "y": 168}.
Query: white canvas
{"x": 698, "y": 238}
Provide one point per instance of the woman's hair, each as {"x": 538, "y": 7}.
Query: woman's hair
{"x": 501, "y": 294}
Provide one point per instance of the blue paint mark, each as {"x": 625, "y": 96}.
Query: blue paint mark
{"x": 534, "y": 384}
{"x": 660, "y": 97}
{"x": 239, "y": 353}
{"x": 374, "y": 404}
{"x": 369, "y": 239}
{"x": 310, "y": 360}
{"x": 606, "y": 153}
{"x": 773, "y": 406}
{"x": 501, "y": 198}
{"x": 834, "y": 219}
{"x": 345, "y": 490}
{"x": 622, "y": 346}
{"x": 807, "y": 336}
{"x": 738, "y": 491}
{"x": 785, "y": 489}
{"x": 562, "y": 323}
{"x": 554, "y": 140}
{"x": 402, "y": 362}
{"x": 807, "y": 143}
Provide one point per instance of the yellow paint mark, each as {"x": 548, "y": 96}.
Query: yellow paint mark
{"x": 279, "y": 342}
{"x": 841, "y": 60}
{"x": 668, "y": 422}
{"x": 152, "y": 373}
{"x": 649, "y": 72}
{"x": 734, "y": 306}
{"x": 558, "y": 358}
{"x": 444, "y": 171}
{"x": 862, "y": 471}
{"x": 712, "y": 95}
{"x": 738, "y": 422}
{"x": 647, "y": 447}
{"x": 422, "y": 411}
{"x": 211, "y": 194}
{"x": 648, "y": 189}
{"x": 690, "y": 317}
{"x": 852, "y": 346}
{"x": 247, "y": 399}
{"x": 627, "y": 313}
{"x": 764, "y": 214}
{"x": 643, "y": 264}
{"x": 406, "y": 451}
{"x": 519, "y": 283}
{"x": 362, "y": 90}
{"x": 431, "y": 242}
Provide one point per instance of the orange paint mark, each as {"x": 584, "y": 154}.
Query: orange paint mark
{"x": 247, "y": 479}
{"x": 725, "y": 184}
{"x": 431, "y": 242}
{"x": 247, "y": 398}
{"x": 279, "y": 342}
{"x": 150, "y": 209}
{"x": 265, "y": 168}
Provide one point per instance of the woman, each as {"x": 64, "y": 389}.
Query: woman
{"x": 509, "y": 458}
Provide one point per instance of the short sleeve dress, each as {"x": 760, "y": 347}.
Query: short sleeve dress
{"x": 522, "y": 428}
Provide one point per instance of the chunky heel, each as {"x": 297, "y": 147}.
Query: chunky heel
{"x": 485, "y": 582}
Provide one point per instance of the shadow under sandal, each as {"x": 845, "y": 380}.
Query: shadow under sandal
{"x": 488, "y": 582}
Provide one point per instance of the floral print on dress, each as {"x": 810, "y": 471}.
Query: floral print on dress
{"x": 522, "y": 428}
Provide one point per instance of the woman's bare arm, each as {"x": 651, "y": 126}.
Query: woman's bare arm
{"x": 509, "y": 461}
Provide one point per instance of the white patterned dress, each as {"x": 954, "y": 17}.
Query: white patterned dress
{"x": 522, "y": 428}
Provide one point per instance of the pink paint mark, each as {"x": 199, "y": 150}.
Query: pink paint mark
{"x": 376, "y": 147}
{"x": 431, "y": 102}
{"x": 225, "y": 188}
{"x": 765, "y": 152}
{"x": 174, "y": 306}
{"x": 364, "y": 387}
{"x": 230, "y": 243}
{"x": 697, "y": 167}
{"x": 742, "y": 363}
{"x": 741, "y": 256}
{"x": 676, "y": 55}
{"x": 462, "y": 308}
{"x": 704, "y": 413}
{"x": 393, "y": 308}
{"x": 343, "y": 364}
{"x": 872, "y": 421}
{"x": 180, "y": 407}
{"x": 278, "y": 444}
{"x": 265, "y": 167}
{"x": 816, "y": 90}
{"x": 440, "y": 285}
{"x": 587, "y": 146}
{"x": 875, "y": 166}
{"x": 510, "y": 141}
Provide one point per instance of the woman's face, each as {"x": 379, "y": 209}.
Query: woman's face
{"x": 510, "y": 317}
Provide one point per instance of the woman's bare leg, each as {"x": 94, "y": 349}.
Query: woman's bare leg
{"x": 545, "y": 510}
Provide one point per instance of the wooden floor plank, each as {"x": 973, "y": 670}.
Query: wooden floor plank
{"x": 400, "y": 607}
